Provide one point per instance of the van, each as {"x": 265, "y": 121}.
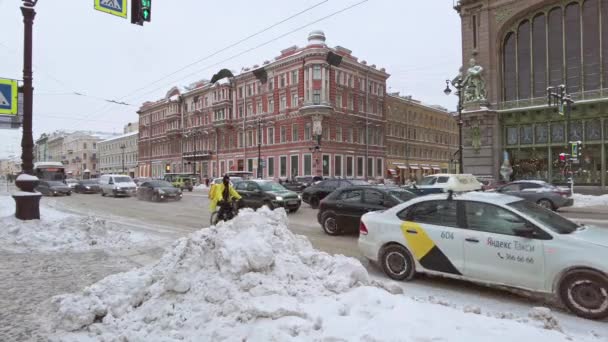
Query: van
{"x": 443, "y": 182}
{"x": 117, "y": 185}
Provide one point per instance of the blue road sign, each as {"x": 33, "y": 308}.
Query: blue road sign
{"x": 114, "y": 7}
{"x": 8, "y": 97}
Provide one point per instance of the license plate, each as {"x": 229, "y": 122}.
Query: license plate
{"x": 292, "y": 202}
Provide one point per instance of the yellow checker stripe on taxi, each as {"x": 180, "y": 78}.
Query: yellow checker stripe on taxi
{"x": 425, "y": 250}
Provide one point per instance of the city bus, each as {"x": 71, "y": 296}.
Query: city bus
{"x": 50, "y": 171}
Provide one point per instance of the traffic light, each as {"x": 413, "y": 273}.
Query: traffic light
{"x": 141, "y": 10}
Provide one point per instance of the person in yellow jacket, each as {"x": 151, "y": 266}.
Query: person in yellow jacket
{"x": 222, "y": 192}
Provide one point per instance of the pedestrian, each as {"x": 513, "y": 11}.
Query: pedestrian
{"x": 206, "y": 181}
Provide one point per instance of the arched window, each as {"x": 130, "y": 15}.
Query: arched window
{"x": 539, "y": 52}
{"x": 556, "y": 48}
{"x": 523, "y": 60}
{"x": 591, "y": 45}
{"x": 572, "y": 29}
{"x": 509, "y": 68}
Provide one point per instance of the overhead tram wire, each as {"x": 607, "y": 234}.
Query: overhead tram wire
{"x": 106, "y": 108}
{"x": 258, "y": 46}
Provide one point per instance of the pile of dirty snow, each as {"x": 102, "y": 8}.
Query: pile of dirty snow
{"x": 251, "y": 279}
{"x": 59, "y": 231}
{"x": 201, "y": 187}
{"x": 582, "y": 201}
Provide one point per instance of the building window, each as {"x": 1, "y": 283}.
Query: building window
{"x": 307, "y": 131}
{"x": 270, "y": 105}
{"x": 294, "y": 132}
{"x": 295, "y": 167}
{"x": 339, "y": 134}
{"x": 338, "y": 166}
{"x": 325, "y": 133}
{"x": 316, "y": 72}
{"x": 283, "y": 166}
{"x": 283, "y": 134}
{"x": 294, "y": 77}
{"x": 271, "y": 84}
{"x": 283, "y": 79}
{"x": 359, "y": 166}
{"x": 316, "y": 97}
{"x": 249, "y": 138}
{"x": 379, "y": 167}
{"x": 339, "y": 101}
{"x": 370, "y": 167}
{"x": 350, "y": 137}
{"x": 294, "y": 100}
{"x": 283, "y": 103}
{"x": 349, "y": 166}
{"x": 250, "y": 165}
{"x": 307, "y": 165}
{"x": 270, "y": 137}
{"x": 351, "y": 101}
{"x": 270, "y": 167}
{"x": 260, "y": 110}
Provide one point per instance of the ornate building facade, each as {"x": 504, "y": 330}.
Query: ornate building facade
{"x": 525, "y": 47}
{"x": 420, "y": 139}
{"x": 302, "y": 114}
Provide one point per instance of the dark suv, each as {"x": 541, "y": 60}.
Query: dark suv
{"x": 257, "y": 193}
{"x": 315, "y": 193}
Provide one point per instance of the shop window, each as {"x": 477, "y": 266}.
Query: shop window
{"x": 542, "y": 136}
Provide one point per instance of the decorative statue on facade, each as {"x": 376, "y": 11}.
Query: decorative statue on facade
{"x": 473, "y": 84}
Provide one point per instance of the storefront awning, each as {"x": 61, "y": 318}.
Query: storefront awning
{"x": 426, "y": 168}
{"x": 414, "y": 167}
{"x": 401, "y": 167}
{"x": 436, "y": 168}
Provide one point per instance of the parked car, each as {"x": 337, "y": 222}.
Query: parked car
{"x": 315, "y": 193}
{"x": 443, "y": 182}
{"x": 182, "y": 181}
{"x": 539, "y": 192}
{"x": 117, "y": 185}
{"x": 53, "y": 188}
{"x": 488, "y": 184}
{"x": 257, "y": 193}
{"x": 158, "y": 190}
{"x": 140, "y": 180}
{"x": 71, "y": 182}
{"x": 493, "y": 239}
{"x": 88, "y": 186}
{"x": 341, "y": 210}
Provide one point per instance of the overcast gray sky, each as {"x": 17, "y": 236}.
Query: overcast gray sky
{"x": 77, "y": 49}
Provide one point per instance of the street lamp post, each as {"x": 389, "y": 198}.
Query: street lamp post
{"x": 122, "y": 147}
{"x": 458, "y": 85}
{"x": 260, "y": 148}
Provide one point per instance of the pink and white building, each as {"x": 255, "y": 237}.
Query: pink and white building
{"x": 210, "y": 129}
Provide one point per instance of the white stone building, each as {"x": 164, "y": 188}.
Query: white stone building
{"x": 118, "y": 155}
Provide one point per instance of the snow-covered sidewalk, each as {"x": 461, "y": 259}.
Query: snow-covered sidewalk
{"x": 60, "y": 231}
{"x": 585, "y": 201}
{"x": 252, "y": 279}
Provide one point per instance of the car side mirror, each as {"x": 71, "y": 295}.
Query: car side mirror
{"x": 526, "y": 231}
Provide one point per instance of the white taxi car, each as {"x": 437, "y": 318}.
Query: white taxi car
{"x": 492, "y": 239}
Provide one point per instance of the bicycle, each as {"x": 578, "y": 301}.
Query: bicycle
{"x": 226, "y": 212}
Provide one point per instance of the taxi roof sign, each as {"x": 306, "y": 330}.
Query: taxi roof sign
{"x": 8, "y": 97}
{"x": 114, "y": 7}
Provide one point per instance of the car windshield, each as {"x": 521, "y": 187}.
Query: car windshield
{"x": 428, "y": 181}
{"x": 271, "y": 186}
{"x": 551, "y": 220}
{"x": 55, "y": 183}
{"x": 71, "y": 181}
{"x": 401, "y": 195}
{"x": 122, "y": 179}
{"x": 358, "y": 182}
{"x": 161, "y": 184}
{"x": 88, "y": 182}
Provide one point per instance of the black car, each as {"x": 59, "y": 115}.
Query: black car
{"x": 315, "y": 193}
{"x": 88, "y": 186}
{"x": 53, "y": 188}
{"x": 300, "y": 183}
{"x": 257, "y": 193}
{"x": 341, "y": 211}
{"x": 158, "y": 190}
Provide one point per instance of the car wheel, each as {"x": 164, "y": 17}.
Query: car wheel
{"x": 314, "y": 203}
{"x": 397, "y": 262}
{"x": 155, "y": 198}
{"x": 103, "y": 194}
{"x": 268, "y": 204}
{"x": 545, "y": 203}
{"x": 294, "y": 210}
{"x": 69, "y": 193}
{"x": 585, "y": 293}
{"x": 330, "y": 224}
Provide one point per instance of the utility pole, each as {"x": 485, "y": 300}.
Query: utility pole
{"x": 366, "y": 167}
{"x": 27, "y": 142}
{"x": 458, "y": 84}
{"x": 259, "y": 148}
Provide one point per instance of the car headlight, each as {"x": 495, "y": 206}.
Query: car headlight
{"x": 88, "y": 187}
{"x": 300, "y": 197}
{"x": 118, "y": 188}
{"x": 279, "y": 198}
{"x": 161, "y": 191}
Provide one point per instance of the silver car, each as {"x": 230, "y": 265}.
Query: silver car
{"x": 539, "y": 192}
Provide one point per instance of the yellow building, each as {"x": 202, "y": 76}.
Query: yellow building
{"x": 420, "y": 139}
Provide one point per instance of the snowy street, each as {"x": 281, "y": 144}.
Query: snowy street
{"x": 30, "y": 277}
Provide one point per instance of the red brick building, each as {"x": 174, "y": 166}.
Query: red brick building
{"x": 212, "y": 128}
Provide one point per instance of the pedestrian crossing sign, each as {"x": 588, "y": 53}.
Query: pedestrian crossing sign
{"x": 8, "y": 97}
{"x": 114, "y": 7}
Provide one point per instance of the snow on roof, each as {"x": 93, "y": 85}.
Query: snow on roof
{"x": 120, "y": 137}
{"x": 26, "y": 177}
